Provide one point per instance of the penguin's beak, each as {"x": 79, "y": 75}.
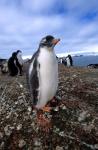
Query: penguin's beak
{"x": 55, "y": 41}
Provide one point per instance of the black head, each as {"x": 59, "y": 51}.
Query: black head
{"x": 49, "y": 41}
{"x": 18, "y": 51}
{"x": 14, "y": 55}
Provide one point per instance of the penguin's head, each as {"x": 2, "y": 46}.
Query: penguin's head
{"x": 14, "y": 55}
{"x": 19, "y": 51}
{"x": 49, "y": 42}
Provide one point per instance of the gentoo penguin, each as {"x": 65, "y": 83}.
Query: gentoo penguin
{"x": 4, "y": 67}
{"x": 19, "y": 61}
{"x": 69, "y": 60}
{"x": 43, "y": 73}
{"x": 13, "y": 70}
{"x": 64, "y": 61}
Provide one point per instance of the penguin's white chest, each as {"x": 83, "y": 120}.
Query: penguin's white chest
{"x": 48, "y": 76}
{"x": 68, "y": 62}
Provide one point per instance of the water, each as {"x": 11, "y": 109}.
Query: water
{"x": 85, "y": 60}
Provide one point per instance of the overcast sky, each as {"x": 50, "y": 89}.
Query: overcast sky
{"x": 24, "y": 22}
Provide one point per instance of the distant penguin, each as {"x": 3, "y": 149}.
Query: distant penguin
{"x": 43, "y": 72}
{"x": 69, "y": 60}
{"x": 64, "y": 61}
{"x": 19, "y": 61}
{"x": 4, "y": 67}
{"x": 13, "y": 70}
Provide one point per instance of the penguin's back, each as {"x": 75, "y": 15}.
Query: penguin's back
{"x": 12, "y": 67}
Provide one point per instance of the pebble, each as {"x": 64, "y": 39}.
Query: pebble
{"x": 1, "y": 135}
{"x": 62, "y": 133}
{"x": 37, "y": 142}
{"x": 64, "y": 108}
{"x": 59, "y": 148}
{"x": 21, "y": 86}
{"x": 21, "y": 101}
{"x": 37, "y": 148}
{"x": 16, "y": 103}
{"x": 2, "y": 145}
{"x": 29, "y": 109}
{"x": 19, "y": 126}
{"x": 7, "y": 117}
{"x": 7, "y": 131}
{"x": 96, "y": 146}
{"x": 22, "y": 143}
{"x": 56, "y": 109}
{"x": 87, "y": 127}
{"x": 82, "y": 116}
{"x": 56, "y": 130}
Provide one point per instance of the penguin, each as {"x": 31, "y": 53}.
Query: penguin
{"x": 43, "y": 73}
{"x": 13, "y": 70}
{"x": 64, "y": 61}
{"x": 69, "y": 60}
{"x": 4, "y": 67}
{"x": 19, "y": 61}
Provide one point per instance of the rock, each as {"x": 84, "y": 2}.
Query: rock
{"x": 59, "y": 148}
{"x": 1, "y": 135}
{"x": 87, "y": 127}
{"x": 37, "y": 142}
{"x": 7, "y": 130}
{"x": 19, "y": 126}
{"x": 62, "y": 133}
{"x": 2, "y": 145}
{"x": 21, "y": 101}
{"x": 82, "y": 116}
{"x": 56, "y": 109}
{"x": 29, "y": 109}
{"x": 74, "y": 76}
{"x": 56, "y": 130}
{"x": 96, "y": 146}
{"x": 7, "y": 117}
{"x": 16, "y": 103}
{"x": 37, "y": 148}
{"x": 64, "y": 107}
{"x": 21, "y": 86}
{"x": 22, "y": 143}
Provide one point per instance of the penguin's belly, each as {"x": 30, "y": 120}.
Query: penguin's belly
{"x": 48, "y": 79}
{"x": 68, "y": 62}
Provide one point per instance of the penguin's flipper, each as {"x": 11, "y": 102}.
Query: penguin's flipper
{"x": 33, "y": 78}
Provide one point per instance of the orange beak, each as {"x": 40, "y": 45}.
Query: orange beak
{"x": 55, "y": 41}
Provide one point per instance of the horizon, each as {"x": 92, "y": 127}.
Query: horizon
{"x": 24, "y": 23}
{"x": 60, "y": 55}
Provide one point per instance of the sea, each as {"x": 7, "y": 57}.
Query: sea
{"x": 83, "y": 61}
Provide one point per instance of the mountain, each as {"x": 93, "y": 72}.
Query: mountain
{"x": 76, "y": 54}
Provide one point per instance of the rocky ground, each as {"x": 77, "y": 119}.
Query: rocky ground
{"x": 74, "y": 120}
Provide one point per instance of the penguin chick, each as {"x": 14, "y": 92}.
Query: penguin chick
{"x": 43, "y": 73}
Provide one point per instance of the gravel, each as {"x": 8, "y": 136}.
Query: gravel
{"x": 73, "y": 119}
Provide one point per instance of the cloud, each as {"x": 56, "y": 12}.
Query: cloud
{"x": 23, "y": 24}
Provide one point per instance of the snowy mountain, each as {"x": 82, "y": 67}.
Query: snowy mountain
{"x": 76, "y": 54}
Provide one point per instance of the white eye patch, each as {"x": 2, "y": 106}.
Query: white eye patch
{"x": 44, "y": 40}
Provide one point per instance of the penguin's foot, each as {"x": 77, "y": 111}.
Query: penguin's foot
{"x": 43, "y": 122}
{"x": 46, "y": 109}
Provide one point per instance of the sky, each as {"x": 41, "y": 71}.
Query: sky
{"x": 23, "y": 23}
